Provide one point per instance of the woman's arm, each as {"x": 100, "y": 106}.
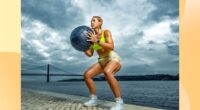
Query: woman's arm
{"x": 89, "y": 52}
{"x": 109, "y": 44}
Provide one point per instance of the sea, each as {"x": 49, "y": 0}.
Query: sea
{"x": 158, "y": 94}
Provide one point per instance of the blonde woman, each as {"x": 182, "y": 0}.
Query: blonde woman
{"x": 108, "y": 63}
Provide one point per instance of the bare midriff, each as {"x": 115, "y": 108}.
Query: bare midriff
{"x": 103, "y": 52}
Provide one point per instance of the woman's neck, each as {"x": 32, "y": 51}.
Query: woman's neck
{"x": 97, "y": 31}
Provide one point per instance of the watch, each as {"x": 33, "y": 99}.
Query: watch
{"x": 98, "y": 41}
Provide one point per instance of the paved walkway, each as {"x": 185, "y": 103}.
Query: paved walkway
{"x": 45, "y": 100}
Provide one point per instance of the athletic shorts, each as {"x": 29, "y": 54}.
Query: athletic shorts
{"x": 103, "y": 60}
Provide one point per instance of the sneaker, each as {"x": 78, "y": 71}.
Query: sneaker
{"x": 92, "y": 102}
{"x": 118, "y": 105}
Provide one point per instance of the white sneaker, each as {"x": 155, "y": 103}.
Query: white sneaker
{"x": 92, "y": 102}
{"x": 118, "y": 105}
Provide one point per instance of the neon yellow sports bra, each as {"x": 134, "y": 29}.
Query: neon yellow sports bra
{"x": 96, "y": 46}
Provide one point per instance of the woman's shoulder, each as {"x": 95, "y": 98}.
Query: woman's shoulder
{"x": 107, "y": 32}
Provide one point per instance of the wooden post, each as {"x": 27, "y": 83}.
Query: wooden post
{"x": 48, "y": 75}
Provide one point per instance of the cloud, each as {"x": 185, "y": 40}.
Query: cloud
{"x": 145, "y": 33}
{"x": 58, "y": 14}
{"x": 175, "y": 27}
{"x": 165, "y": 9}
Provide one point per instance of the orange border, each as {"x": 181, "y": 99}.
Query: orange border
{"x": 10, "y": 59}
{"x": 189, "y": 54}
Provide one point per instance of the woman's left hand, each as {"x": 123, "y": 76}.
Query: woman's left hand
{"x": 92, "y": 37}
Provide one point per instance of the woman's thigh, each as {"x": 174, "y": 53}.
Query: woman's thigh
{"x": 94, "y": 70}
{"x": 112, "y": 67}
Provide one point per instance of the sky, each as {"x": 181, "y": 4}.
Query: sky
{"x": 145, "y": 34}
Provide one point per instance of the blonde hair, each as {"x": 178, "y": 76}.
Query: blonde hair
{"x": 99, "y": 19}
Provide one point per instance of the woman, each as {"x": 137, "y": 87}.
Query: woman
{"x": 108, "y": 62}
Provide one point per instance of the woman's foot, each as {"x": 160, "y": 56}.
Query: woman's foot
{"x": 92, "y": 102}
{"x": 118, "y": 104}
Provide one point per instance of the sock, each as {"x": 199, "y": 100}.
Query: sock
{"x": 93, "y": 96}
{"x": 119, "y": 99}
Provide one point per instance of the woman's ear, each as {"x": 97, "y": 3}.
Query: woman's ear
{"x": 99, "y": 23}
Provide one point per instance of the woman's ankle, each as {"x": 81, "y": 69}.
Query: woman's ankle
{"x": 94, "y": 96}
{"x": 119, "y": 99}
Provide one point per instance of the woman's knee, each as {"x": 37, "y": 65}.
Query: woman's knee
{"x": 87, "y": 75}
{"x": 108, "y": 73}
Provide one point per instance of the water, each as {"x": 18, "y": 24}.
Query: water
{"x": 44, "y": 78}
{"x": 158, "y": 94}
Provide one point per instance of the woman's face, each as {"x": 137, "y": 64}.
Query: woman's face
{"x": 95, "y": 23}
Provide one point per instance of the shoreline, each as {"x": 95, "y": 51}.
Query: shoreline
{"x": 42, "y": 100}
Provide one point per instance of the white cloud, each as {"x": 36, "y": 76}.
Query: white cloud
{"x": 158, "y": 33}
{"x": 40, "y": 37}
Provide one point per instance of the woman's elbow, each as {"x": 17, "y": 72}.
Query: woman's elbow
{"x": 90, "y": 55}
{"x": 112, "y": 48}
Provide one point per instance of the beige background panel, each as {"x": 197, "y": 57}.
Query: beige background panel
{"x": 10, "y": 81}
{"x": 10, "y": 25}
{"x": 190, "y": 54}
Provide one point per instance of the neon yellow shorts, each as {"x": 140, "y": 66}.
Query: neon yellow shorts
{"x": 111, "y": 56}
